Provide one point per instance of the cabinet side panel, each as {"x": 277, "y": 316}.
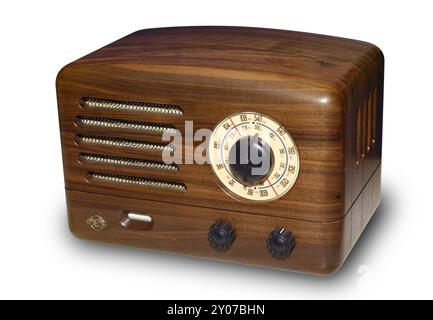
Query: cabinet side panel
{"x": 363, "y": 137}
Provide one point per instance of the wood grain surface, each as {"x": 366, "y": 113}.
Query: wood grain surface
{"x": 326, "y": 91}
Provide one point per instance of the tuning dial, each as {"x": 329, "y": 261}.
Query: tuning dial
{"x": 221, "y": 235}
{"x": 281, "y": 243}
{"x": 253, "y": 157}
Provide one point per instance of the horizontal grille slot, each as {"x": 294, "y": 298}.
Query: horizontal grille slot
{"x": 147, "y": 127}
{"x": 366, "y": 127}
{"x": 131, "y": 106}
{"x": 139, "y": 181}
{"x": 128, "y": 162}
{"x": 123, "y": 143}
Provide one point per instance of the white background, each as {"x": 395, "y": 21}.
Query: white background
{"x": 39, "y": 258}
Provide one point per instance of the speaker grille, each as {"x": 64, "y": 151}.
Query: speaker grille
{"x": 127, "y": 162}
{"x": 366, "y": 126}
{"x": 105, "y": 143}
{"x": 145, "y": 127}
{"x": 122, "y": 143}
{"x": 131, "y": 106}
{"x": 140, "y": 181}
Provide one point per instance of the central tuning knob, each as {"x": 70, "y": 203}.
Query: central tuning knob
{"x": 281, "y": 243}
{"x": 221, "y": 235}
{"x": 251, "y": 160}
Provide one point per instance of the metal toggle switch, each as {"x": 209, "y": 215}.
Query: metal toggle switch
{"x": 136, "y": 221}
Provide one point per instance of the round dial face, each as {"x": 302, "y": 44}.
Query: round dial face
{"x": 253, "y": 157}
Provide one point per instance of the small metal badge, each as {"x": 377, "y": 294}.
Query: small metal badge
{"x": 96, "y": 223}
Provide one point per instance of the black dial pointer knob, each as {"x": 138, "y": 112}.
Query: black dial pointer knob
{"x": 281, "y": 243}
{"x": 221, "y": 235}
{"x": 251, "y": 160}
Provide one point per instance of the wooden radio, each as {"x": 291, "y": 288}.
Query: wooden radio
{"x": 309, "y": 105}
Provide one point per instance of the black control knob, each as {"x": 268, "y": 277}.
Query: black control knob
{"x": 221, "y": 235}
{"x": 281, "y": 243}
{"x": 251, "y": 160}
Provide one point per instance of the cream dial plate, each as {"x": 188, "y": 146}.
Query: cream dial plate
{"x": 284, "y": 156}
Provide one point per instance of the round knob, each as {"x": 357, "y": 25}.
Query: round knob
{"x": 221, "y": 235}
{"x": 281, "y": 243}
{"x": 251, "y": 160}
